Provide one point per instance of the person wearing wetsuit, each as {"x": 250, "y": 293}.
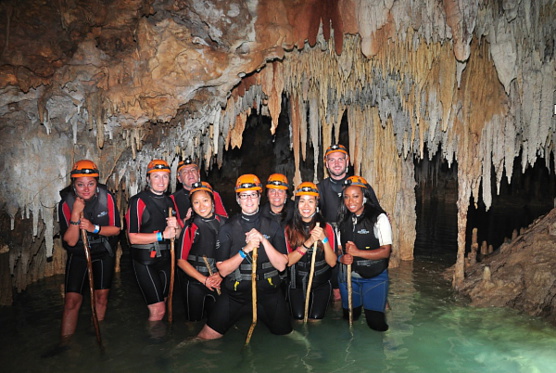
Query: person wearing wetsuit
{"x": 336, "y": 161}
{"x": 150, "y": 230}
{"x": 238, "y": 237}
{"x": 366, "y": 236}
{"x": 89, "y": 206}
{"x": 189, "y": 173}
{"x": 196, "y": 252}
{"x": 279, "y": 207}
{"x": 307, "y": 228}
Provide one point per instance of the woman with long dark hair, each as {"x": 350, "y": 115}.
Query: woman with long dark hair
{"x": 366, "y": 239}
{"x": 307, "y": 228}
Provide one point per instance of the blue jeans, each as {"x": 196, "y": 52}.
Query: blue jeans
{"x": 371, "y": 293}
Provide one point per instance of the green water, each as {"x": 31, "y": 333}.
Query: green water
{"x": 431, "y": 330}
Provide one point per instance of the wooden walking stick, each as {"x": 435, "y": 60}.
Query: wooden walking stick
{"x": 172, "y": 271}
{"x": 310, "y": 283}
{"x": 210, "y": 270}
{"x": 254, "y": 256}
{"x": 350, "y": 301}
{"x": 91, "y": 285}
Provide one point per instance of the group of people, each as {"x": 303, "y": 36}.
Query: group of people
{"x": 284, "y": 245}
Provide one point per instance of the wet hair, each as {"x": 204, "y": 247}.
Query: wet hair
{"x": 297, "y": 231}
{"x": 372, "y": 208}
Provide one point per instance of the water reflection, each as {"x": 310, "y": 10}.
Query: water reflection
{"x": 431, "y": 330}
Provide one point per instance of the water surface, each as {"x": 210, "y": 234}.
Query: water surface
{"x": 431, "y": 330}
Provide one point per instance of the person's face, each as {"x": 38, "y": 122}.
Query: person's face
{"x": 277, "y": 197}
{"x": 353, "y": 199}
{"x": 158, "y": 181}
{"x": 307, "y": 206}
{"x": 337, "y": 164}
{"x": 248, "y": 201}
{"x": 202, "y": 204}
{"x": 85, "y": 187}
{"x": 188, "y": 175}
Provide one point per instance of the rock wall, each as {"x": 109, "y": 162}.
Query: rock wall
{"x": 124, "y": 81}
{"x": 520, "y": 274}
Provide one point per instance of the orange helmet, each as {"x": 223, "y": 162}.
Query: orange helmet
{"x": 335, "y": 148}
{"x": 84, "y": 168}
{"x": 200, "y": 185}
{"x": 248, "y": 182}
{"x": 307, "y": 189}
{"x": 186, "y": 162}
{"x": 158, "y": 165}
{"x": 277, "y": 181}
{"x": 356, "y": 181}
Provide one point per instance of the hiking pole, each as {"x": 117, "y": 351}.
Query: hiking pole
{"x": 350, "y": 299}
{"x": 254, "y": 256}
{"x": 87, "y": 250}
{"x": 210, "y": 271}
{"x": 172, "y": 270}
{"x": 310, "y": 283}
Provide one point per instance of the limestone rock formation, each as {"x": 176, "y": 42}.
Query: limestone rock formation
{"x": 520, "y": 274}
{"x": 125, "y": 81}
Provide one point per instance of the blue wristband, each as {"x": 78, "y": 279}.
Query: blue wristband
{"x": 340, "y": 257}
{"x": 97, "y": 229}
{"x": 159, "y": 236}
{"x": 325, "y": 240}
{"x": 242, "y": 253}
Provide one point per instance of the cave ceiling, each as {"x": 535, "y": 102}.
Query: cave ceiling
{"x": 125, "y": 81}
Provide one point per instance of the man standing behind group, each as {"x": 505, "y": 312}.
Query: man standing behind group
{"x": 336, "y": 160}
{"x": 188, "y": 174}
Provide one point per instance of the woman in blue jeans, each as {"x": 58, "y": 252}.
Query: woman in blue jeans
{"x": 366, "y": 239}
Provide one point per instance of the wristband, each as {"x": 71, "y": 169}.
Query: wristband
{"x": 303, "y": 244}
{"x": 301, "y": 251}
{"x": 74, "y": 222}
{"x": 325, "y": 240}
{"x": 242, "y": 253}
{"x": 159, "y": 236}
{"x": 340, "y": 257}
{"x": 97, "y": 229}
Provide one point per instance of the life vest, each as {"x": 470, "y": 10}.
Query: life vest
{"x": 154, "y": 219}
{"x": 360, "y": 231}
{"x": 299, "y": 272}
{"x": 96, "y": 211}
{"x": 267, "y": 275}
{"x": 203, "y": 233}
{"x": 330, "y": 198}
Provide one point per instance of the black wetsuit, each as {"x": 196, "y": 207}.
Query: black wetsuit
{"x": 235, "y": 300}
{"x": 101, "y": 210}
{"x": 321, "y": 287}
{"x": 147, "y": 213}
{"x": 199, "y": 239}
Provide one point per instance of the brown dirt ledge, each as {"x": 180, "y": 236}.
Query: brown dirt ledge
{"x": 520, "y": 274}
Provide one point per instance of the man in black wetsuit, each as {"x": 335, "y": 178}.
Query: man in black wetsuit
{"x": 336, "y": 160}
{"x": 238, "y": 237}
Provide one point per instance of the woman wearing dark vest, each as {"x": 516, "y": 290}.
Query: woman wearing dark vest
{"x": 238, "y": 237}
{"x": 366, "y": 238}
{"x": 279, "y": 207}
{"x": 150, "y": 231}
{"x": 87, "y": 205}
{"x": 196, "y": 252}
{"x": 301, "y": 234}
